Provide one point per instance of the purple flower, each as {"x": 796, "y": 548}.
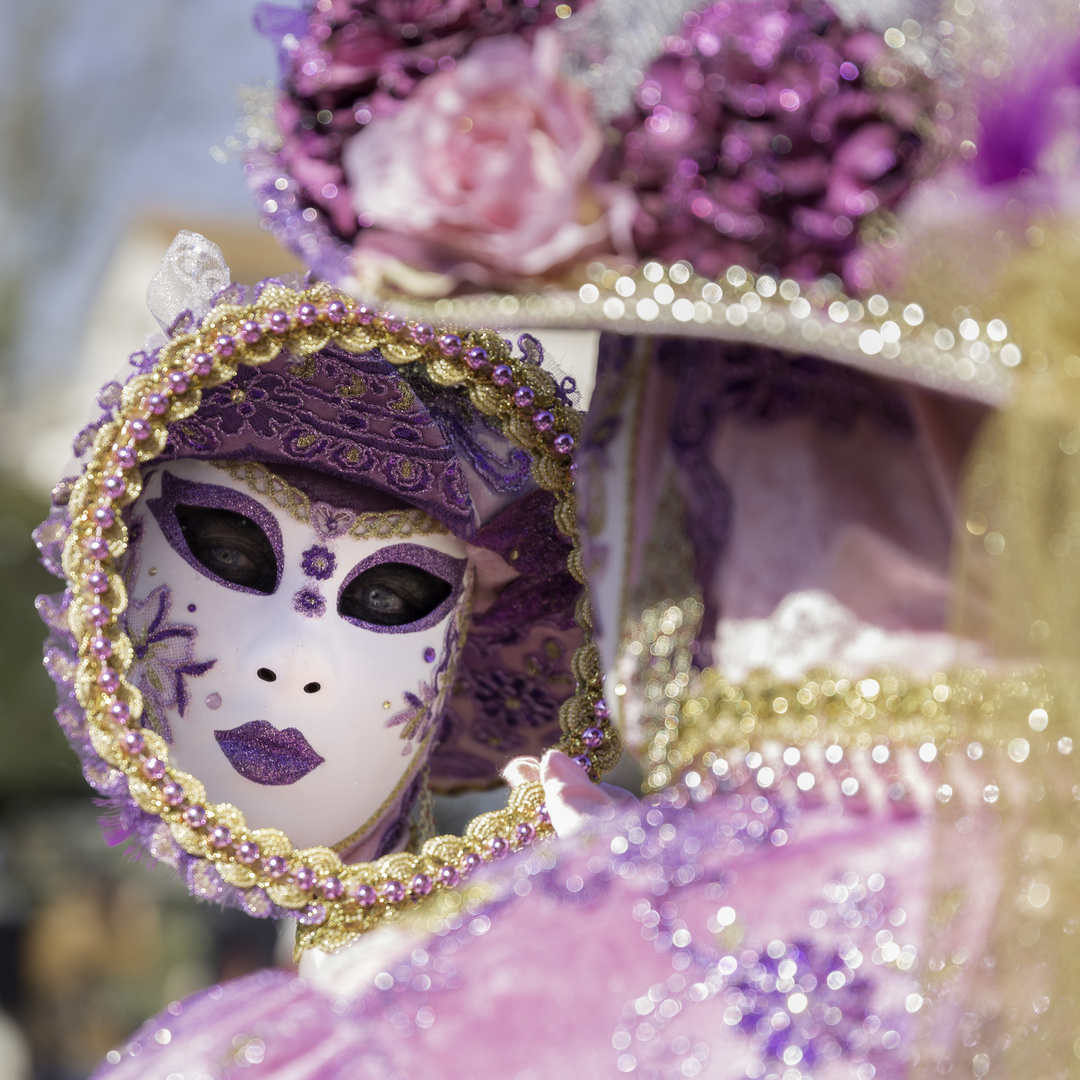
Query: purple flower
{"x": 418, "y": 715}
{"x": 318, "y": 562}
{"x": 309, "y": 602}
{"x": 760, "y": 138}
{"x": 164, "y": 654}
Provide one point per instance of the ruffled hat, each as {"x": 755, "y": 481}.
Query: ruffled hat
{"x": 734, "y": 171}
{"x": 309, "y": 397}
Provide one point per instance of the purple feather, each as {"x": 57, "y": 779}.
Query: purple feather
{"x": 1019, "y": 124}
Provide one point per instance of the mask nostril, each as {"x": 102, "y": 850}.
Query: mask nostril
{"x": 266, "y": 674}
{"x": 312, "y": 688}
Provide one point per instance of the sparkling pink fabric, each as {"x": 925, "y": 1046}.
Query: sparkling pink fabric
{"x": 721, "y": 932}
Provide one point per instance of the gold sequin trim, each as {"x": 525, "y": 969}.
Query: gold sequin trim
{"x": 974, "y": 360}
{"x": 694, "y": 716}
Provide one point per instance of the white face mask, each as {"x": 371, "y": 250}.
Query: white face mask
{"x": 298, "y": 671}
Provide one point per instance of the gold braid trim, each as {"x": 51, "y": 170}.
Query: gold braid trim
{"x": 334, "y": 901}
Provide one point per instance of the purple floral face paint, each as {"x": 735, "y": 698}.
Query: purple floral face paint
{"x": 318, "y": 562}
{"x": 164, "y": 656}
{"x": 310, "y": 603}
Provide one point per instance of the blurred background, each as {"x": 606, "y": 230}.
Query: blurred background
{"x": 119, "y": 124}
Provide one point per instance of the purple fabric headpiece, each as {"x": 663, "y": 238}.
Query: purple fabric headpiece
{"x": 350, "y": 417}
{"x": 354, "y": 431}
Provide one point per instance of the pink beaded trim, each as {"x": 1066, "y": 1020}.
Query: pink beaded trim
{"x": 334, "y": 901}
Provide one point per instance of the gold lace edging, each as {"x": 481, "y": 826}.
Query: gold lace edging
{"x": 368, "y": 525}
{"x": 694, "y": 716}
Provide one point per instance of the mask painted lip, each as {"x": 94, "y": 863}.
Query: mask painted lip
{"x": 259, "y": 752}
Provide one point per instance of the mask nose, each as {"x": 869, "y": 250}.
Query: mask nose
{"x": 270, "y": 675}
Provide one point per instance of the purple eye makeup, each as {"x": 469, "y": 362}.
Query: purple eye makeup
{"x": 221, "y": 533}
{"x": 401, "y": 589}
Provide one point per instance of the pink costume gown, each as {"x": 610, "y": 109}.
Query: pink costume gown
{"x": 778, "y": 908}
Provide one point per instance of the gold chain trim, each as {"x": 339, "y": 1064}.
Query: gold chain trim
{"x": 369, "y": 525}
{"x": 334, "y": 902}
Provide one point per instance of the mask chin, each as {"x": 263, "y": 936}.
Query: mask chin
{"x": 301, "y": 675}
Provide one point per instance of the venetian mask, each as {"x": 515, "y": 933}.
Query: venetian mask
{"x": 270, "y": 542}
{"x": 297, "y": 667}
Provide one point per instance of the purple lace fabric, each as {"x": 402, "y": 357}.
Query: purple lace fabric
{"x": 749, "y": 384}
{"x": 350, "y": 416}
{"x": 515, "y": 667}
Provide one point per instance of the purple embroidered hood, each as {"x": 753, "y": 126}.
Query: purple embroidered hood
{"x": 343, "y": 427}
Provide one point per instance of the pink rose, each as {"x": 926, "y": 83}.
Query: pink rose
{"x": 486, "y": 164}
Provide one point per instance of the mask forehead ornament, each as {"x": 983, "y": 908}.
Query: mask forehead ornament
{"x": 332, "y": 900}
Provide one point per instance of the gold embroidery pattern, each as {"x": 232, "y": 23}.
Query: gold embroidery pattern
{"x": 370, "y": 525}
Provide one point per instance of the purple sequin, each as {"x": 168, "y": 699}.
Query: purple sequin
{"x": 259, "y": 752}
{"x": 318, "y": 562}
{"x": 310, "y": 603}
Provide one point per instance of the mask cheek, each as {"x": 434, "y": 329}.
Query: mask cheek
{"x": 166, "y": 657}
{"x": 421, "y": 709}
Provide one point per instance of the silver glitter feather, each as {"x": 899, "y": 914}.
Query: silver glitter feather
{"x": 612, "y": 42}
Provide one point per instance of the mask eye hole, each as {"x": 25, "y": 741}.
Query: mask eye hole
{"x": 230, "y": 546}
{"x": 392, "y": 594}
